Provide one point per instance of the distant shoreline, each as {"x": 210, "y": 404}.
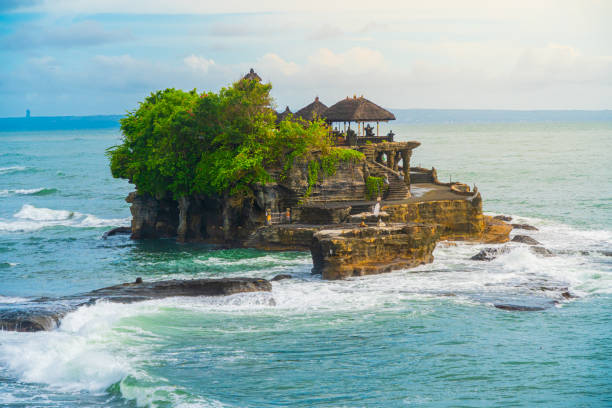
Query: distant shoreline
{"x": 404, "y": 116}
{"x": 34, "y": 123}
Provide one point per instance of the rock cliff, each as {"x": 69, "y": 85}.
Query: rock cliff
{"x": 353, "y": 251}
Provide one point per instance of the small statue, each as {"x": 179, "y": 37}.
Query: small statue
{"x": 288, "y": 215}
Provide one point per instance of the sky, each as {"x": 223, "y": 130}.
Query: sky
{"x": 85, "y": 57}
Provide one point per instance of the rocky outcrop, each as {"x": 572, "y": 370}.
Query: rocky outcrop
{"x": 524, "y": 239}
{"x": 353, "y": 251}
{"x": 117, "y": 231}
{"x": 45, "y": 314}
{"x": 496, "y": 231}
{"x": 455, "y": 219}
{"x": 489, "y": 254}
{"x": 524, "y": 227}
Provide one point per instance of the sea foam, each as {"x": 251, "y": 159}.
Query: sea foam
{"x": 12, "y": 169}
{"x": 30, "y": 218}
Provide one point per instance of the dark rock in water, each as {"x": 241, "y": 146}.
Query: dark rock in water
{"x": 503, "y": 218}
{"x": 606, "y": 253}
{"x": 45, "y": 314}
{"x": 525, "y": 227}
{"x": 489, "y": 254}
{"x": 520, "y": 308}
{"x": 539, "y": 250}
{"x": 117, "y": 231}
{"x": 524, "y": 239}
{"x": 567, "y": 295}
{"x": 281, "y": 277}
{"x": 169, "y": 288}
{"x": 138, "y": 280}
{"x": 30, "y": 319}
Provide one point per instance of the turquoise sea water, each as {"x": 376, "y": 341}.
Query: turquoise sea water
{"x": 428, "y": 337}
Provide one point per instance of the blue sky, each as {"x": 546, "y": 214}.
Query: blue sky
{"x": 78, "y": 57}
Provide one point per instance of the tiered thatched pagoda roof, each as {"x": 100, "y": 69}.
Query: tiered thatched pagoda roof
{"x": 252, "y": 75}
{"x": 314, "y": 110}
{"x": 357, "y": 110}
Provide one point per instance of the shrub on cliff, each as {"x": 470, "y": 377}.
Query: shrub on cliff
{"x": 211, "y": 143}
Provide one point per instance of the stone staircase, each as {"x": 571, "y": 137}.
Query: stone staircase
{"x": 369, "y": 152}
{"x": 398, "y": 190}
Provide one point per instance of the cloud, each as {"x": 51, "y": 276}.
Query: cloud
{"x": 198, "y": 63}
{"x": 81, "y": 34}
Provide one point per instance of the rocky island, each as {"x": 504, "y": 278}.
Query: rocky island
{"x": 226, "y": 169}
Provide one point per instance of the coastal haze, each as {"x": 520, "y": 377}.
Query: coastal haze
{"x": 426, "y": 337}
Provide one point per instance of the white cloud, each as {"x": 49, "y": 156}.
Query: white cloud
{"x": 198, "y": 63}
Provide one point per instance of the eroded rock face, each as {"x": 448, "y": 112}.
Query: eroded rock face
{"x": 309, "y": 214}
{"x": 496, "y": 231}
{"x": 152, "y": 217}
{"x": 456, "y": 219}
{"x": 45, "y": 314}
{"x": 283, "y": 237}
{"x": 353, "y": 251}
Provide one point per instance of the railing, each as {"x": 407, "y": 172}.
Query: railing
{"x": 362, "y": 140}
{"x": 390, "y": 170}
{"x": 351, "y": 139}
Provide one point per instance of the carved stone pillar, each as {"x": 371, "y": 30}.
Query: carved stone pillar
{"x": 397, "y": 157}
{"x": 390, "y": 159}
{"x": 406, "y": 162}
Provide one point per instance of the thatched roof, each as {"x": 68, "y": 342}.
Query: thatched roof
{"x": 281, "y": 116}
{"x": 357, "y": 109}
{"x": 314, "y": 110}
{"x": 252, "y": 75}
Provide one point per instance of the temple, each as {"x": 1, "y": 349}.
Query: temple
{"x": 387, "y": 158}
{"x": 373, "y": 213}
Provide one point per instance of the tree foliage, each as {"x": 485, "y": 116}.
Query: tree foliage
{"x": 184, "y": 142}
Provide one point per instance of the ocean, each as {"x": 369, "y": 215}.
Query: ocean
{"x": 425, "y": 337}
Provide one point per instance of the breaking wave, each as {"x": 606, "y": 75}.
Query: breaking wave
{"x": 12, "y": 169}
{"x": 33, "y": 192}
{"x": 30, "y": 218}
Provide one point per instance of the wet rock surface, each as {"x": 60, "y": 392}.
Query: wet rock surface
{"x": 521, "y": 308}
{"x": 540, "y": 250}
{"x": 45, "y": 313}
{"x": 117, "y": 231}
{"x": 505, "y": 218}
{"x": 524, "y": 239}
{"x": 281, "y": 277}
{"x": 526, "y": 227}
{"x": 489, "y": 254}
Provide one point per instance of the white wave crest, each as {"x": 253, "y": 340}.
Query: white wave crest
{"x": 30, "y": 218}
{"x": 12, "y": 169}
{"x": 12, "y": 299}
{"x": 26, "y": 191}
